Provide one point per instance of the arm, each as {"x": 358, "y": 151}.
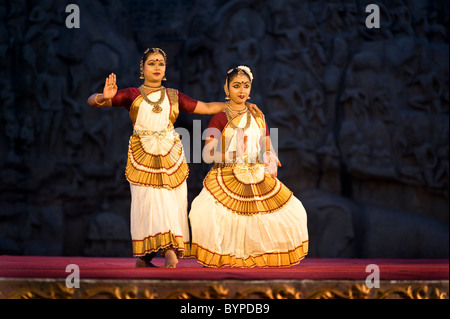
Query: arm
{"x": 217, "y": 107}
{"x": 212, "y": 137}
{"x": 109, "y": 91}
{"x": 98, "y": 100}
{"x": 210, "y": 155}
{"x": 209, "y": 108}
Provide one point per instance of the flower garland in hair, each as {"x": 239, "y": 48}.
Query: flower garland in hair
{"x": 247, "y": 70}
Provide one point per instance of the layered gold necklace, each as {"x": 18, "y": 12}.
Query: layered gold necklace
{"x": 156, "y": 105}
{"x": 230, "y": 120}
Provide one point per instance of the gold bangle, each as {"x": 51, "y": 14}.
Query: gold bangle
{"x": 95, "y": 99}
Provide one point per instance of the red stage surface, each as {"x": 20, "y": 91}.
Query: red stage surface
{"x": 45, "y": 277}
{"x": 189, "y": 269}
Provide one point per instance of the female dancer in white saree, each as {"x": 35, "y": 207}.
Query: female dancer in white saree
{"x": 244, "y": 216}
{"x": 156, "y": 167}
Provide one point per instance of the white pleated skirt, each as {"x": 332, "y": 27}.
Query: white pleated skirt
{"x": 223, "y": 238}
{"x": 159, "y": 219}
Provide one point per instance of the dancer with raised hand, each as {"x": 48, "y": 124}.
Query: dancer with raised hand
{"x": 156, "y": 167}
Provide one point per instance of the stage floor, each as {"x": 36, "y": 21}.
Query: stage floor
{"x": 45, "y": 277}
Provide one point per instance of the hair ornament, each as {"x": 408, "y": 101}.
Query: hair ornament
{"x": 155, "y": 50}
{"x": 247, "y": 70}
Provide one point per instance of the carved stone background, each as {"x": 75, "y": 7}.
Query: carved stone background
{"x": 362, "y": 115}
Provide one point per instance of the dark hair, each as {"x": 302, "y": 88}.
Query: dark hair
{"x": 234, "y": 72}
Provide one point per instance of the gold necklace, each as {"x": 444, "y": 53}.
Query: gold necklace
{"x": 234, "y": 110}
{"x": 151, "y": 87}
{"x": 249, "y": 119}
{"x": 156, "y": 105}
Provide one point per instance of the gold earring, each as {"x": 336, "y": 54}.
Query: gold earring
{"x": 227, "y": 97}
{"x": 164, "y": 79}
{"x": 142, "y": 71}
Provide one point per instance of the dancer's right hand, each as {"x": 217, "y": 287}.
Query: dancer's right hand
{"x": 110, "y": 89}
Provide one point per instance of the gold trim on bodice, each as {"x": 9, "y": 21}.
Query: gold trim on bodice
{"x": 173, "y": 100}
{"x": 168, "y": 170}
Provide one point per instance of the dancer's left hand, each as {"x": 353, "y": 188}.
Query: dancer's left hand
{"x": 272, "y": 163}
{"x": 253, "y": 108}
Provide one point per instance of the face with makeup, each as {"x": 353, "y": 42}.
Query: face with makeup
{"x": 154, "y": 69}
{"x": 239, "y": 86}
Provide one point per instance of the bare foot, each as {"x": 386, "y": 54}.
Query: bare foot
{"x": 143, "y": 263}
{"x": 171, "y": 259}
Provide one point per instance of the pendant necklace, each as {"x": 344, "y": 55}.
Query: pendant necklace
{"x": 249, "y": 119}
{"x": 156, "y": 105}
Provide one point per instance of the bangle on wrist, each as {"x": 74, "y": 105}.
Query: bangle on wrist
{"x": 99, "y": 103}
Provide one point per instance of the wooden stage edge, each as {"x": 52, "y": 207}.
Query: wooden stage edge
{"x": 26, "y": 277}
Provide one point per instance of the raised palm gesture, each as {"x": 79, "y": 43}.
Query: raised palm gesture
{"x": 110, "y": 89}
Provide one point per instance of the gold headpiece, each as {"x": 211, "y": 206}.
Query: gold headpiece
{"x": 157, "y": 50}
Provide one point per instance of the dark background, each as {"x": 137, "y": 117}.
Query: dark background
{"x": 362, "y": 115}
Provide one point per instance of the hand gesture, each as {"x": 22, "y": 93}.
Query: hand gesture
{"x": 253, "y": 108}
{"x": 110, "y": 89}
{"x": 272, "y": 163}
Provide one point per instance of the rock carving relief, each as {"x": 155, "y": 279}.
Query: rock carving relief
{"x": 361, "y": 114}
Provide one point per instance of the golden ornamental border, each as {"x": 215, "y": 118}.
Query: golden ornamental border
{"x": 58, "y": 290}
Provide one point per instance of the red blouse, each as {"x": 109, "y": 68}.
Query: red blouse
{"x": 125, "y": 98}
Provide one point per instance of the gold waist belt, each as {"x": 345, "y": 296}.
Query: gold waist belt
{"x": 159, "y": 134}
{"x": 249, "y": 160}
